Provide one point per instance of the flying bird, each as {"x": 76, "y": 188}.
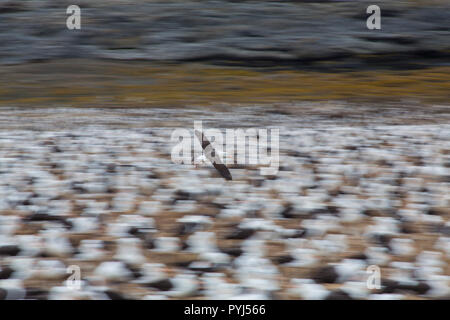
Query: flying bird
{"x": 212, "y": 155}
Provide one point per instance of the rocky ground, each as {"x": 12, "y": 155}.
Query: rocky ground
{"x": 96, "y": 189}
{"x": 303, "y": 34}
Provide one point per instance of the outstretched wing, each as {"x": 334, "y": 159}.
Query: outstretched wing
{"x": 203, "y": 140}
{"x": 212, "y": 156}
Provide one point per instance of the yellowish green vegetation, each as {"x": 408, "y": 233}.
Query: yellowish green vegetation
{"x": 82, "y": 83}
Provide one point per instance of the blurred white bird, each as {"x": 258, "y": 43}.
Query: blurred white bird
{"x": 185, "y": 285}
{"x": 113, "y": 271}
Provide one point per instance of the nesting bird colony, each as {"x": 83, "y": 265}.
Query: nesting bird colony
{"x": 97, "y": 190}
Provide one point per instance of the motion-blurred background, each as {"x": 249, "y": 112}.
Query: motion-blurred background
{"x": 150, "y": 53}
{"x": 87, "y": 182}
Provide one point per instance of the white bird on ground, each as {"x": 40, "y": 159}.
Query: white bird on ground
{"x": 128, "y": 250}
{"x": 185, "y": 285}
{"x": 152, "y": 272}
{"x": 91, "y": 249}
{"x": 113, "y": 271}
{"x": 308, "y": 289}
{"x": 167, "y": 244}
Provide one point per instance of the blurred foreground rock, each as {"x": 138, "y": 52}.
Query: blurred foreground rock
{"x": 303, "y": 34}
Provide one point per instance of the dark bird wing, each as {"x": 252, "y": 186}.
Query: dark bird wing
{"x": 203, "y": 140}
{"x": 223, "y": 170}
{"x": 212, "y": 156}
